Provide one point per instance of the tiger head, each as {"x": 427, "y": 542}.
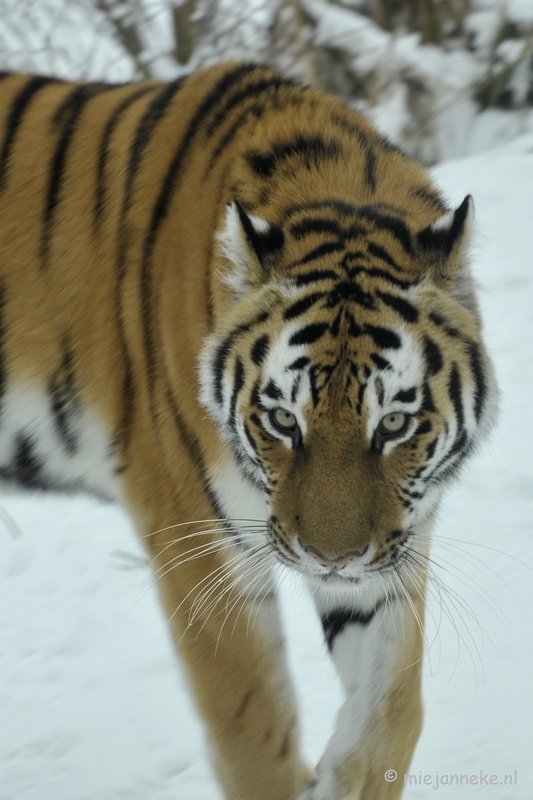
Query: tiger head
{"x": 348, "y": 375}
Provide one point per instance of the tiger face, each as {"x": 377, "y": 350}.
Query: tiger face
{"x": 348, "y": 375}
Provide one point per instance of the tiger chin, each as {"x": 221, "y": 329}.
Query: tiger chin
{"x": 230, "y": 304}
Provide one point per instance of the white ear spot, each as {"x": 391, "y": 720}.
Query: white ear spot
{"x": 464, "y": 215}
{"x": 260, "y": 225}
{"x": 444, "y": 222}
{"x": 233, "y": 246}
{"x": 446, "y": 245}
{"x": 237, "y": 248}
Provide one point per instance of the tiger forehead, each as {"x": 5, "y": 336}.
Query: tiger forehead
{"x": 373, "y": 232}
{"x": 334, "y": 345}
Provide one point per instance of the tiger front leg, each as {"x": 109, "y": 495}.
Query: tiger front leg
{"x": 378, "y": 657}
{"x": 230, "y": 641}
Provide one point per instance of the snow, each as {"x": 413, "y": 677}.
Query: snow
{"x": 93, "y": 704}
{"x": 53, "y": 37}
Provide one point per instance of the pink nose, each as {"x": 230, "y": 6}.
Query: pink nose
{"x": 334, "y": 564}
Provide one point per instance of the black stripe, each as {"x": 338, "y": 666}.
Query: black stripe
{"x": 273, "y": 391}
{"x": 190, "y": 442}
{"x": 295, "y": 389}
{"x": 405, "y": 395}
{"x": 381, "y": 363}
{"x": 431, "y": 197}
{"x": 334, "y": 622}
{"x": 383, "y": 338}
{"x": 369, "y": 172}
{"x": 355, "y": 231}
{"x": 424, "y": 427}
{"x": 299, "y": 363}
{"x": 302, "y": 305}
{"x": 255, "y": 110}
{"x": 433, "y": 356}
{"x": 441, "y": 322}
{"x": 375, "y": 272}
{"x": 353, "y": 329}
{"x": 340, "y": 206}
{"x": 318, "y": 252}
{"x": 313, "y": 374}
{"x": 260, "y": 349}
{"x": 450, "y": 463}
{"x": 406, "y": 310}
{"x": 480, "y": 383}
{"x": 315, "y": 276}
{"x": 194, "y": 450}
{"x": 219, "y": 365}
{"x": 221, "y": 355}
{"x": 396, "y": 534}
{"x": 191, "y": 445}
{"x": 64, "y": 402}
{"x": 381, "y": 273}
{"x": 238, "y": 383}
{"x": 380, "y": 252}
{"x": 27, "y": 466}
{"x": 103, "y": 152}
{"x": 430, "y": 450}
{"x": 255, "y": 398}
{"x": 309, "y": 334}
{"x": 427, "y": 401}
{"x": 143, "y": 135}
{"x": 313, "y": 151}
{"x": 395, "y": 226}
{"x": 351, "y": 292}
{"x": 19, "y": 107}
{"x": 160, "y": 209}
{"x": 257, "y": 422}
{"x": 370, "y": 168}
{"x": 66, "y": 117}
{"x": 460, "y": 446}
{"x": 360, "y": 397}
{"x": 315, "y": 225}
{"x": 336, "y": 324}
{"x": 251, "y": 441}
{"x": 268, "y": 85}
{"x": 123, "y": 432}
{"x": 454, "y": 392}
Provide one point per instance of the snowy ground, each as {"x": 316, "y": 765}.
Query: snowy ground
{"x": 92, "y": 704}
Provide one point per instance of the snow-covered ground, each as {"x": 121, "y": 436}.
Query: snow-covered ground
{"x": 92, "y": 702}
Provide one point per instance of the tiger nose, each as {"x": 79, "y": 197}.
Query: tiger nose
{"x": 334, "y": 564}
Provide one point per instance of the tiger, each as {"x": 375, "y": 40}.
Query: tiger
{"x": 231, "y": 305}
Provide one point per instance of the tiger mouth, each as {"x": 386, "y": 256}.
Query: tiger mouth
{"x": 334, "y": 577}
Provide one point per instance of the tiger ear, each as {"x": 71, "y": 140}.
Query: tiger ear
{"x": 251, "y": 244}
{"x": 445, "y": 244}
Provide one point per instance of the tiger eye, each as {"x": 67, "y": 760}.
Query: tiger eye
{"x": 394, "y": 423}
{"x": 283, "y": 420}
